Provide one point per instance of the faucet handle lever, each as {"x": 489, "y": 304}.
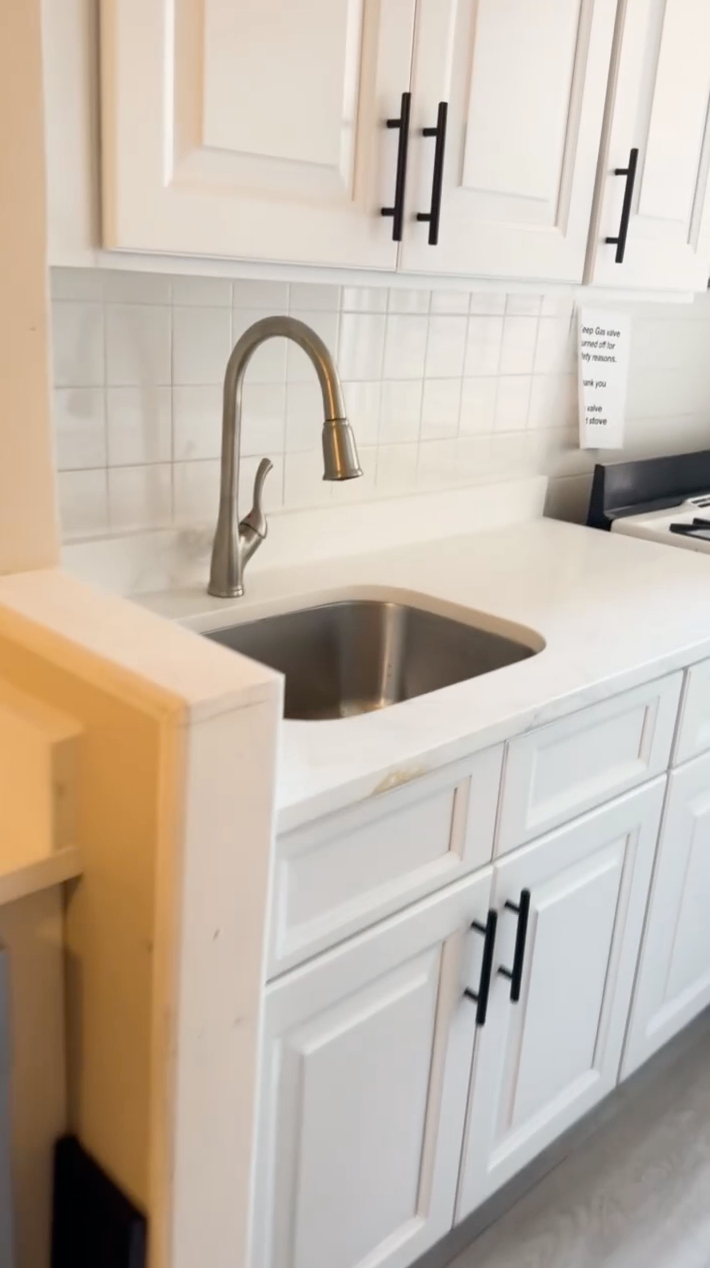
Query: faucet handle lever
{"x": 256, "y": 519}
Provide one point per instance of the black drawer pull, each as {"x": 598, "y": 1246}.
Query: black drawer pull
{"x": 630, "y": 174}
{"x": 397, "y": 212}
{"x": 434, "y": 214}
{"x": 480, "y": 997}
{"x": 515, "y": 975}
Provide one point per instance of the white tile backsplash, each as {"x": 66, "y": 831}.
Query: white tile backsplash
{"x": 483, "y": 343}
{"x": 478, "y": 405}
{"x": 195, "y": 491}
{"x": 138, "y": 425}
{"x": 78, "y": 343}
{"x": 512, "y": 402}
{"x": 396, "y": 469}
{"x": 137, "y": 345}
{"x": 404, "y": 301}
{"x": 364, "y": 299}
{"x": 264, "y": 418}
{"x": 270, "y": 297}
{"x": 304, "y": 414}
{"x": 80, "y": 426}
{"x": 400, "y": 410}
{"x": 197, "y": 422}
{"x": 140, "y": 497}
{"x": 517, "y": 354}
{"x": 362, "y": 402}
{"x": 361, "y": 347}
{"x": 450, "y": 302}
{"x": 83, "y": 502}
{"x": 202, "y": 342}
{"x": 446, "y": 347}
{"x": 443, "y": 388}
{"x": 210, "y": 292}
{"x": 441, "y": 405}
{"x": 136, "y": 288}
{"x": 405, "y": 347}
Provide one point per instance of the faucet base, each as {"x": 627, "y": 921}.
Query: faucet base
{"x": 235, "y": 592}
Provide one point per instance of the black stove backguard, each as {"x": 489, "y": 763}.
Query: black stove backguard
{"x": 648, "y": 484}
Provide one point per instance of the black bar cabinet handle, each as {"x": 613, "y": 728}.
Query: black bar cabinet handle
{"x": 630, "y": 174}
{"x": 480, "y": 997}
{"x": 397, "y": 212}
{"x": 434, "y": 215}
{"x": 515, "y": 975}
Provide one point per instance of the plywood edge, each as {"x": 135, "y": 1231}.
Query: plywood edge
{"x": 19, "y": 882}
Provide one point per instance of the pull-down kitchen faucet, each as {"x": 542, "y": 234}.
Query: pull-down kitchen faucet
{"x": 236, "y": 540}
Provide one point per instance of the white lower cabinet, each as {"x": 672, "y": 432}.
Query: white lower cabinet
{"x": 387, "y": 1114}
{"x": 366, "y": 1066}
{"x": 673, "y": 982}
{"x": 544, "y": 1061}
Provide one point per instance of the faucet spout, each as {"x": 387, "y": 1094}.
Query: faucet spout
{"x": 236, "y": 541}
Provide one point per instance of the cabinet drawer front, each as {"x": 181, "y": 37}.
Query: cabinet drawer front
{"x": 571, "y": 766}
{"x": 336, "y": 876}
{"x": 693, "y": 736}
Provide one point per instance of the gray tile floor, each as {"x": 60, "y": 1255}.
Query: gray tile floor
{"x": 635, "y": 1193}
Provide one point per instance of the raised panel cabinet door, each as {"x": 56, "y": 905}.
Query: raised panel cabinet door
{"x": 673, "y": 980}
{"x": 525, "y": 85}
{"x": 366, "y": 1064}
{"x": 253, "y": 130}
{"x": 660, "y": 108}
{"x": 544, "y": 1061}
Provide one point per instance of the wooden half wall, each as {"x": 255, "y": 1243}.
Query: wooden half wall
{"x": 174, "y": 793}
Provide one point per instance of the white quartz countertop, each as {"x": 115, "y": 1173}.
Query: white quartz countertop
{"x": 612, "y": 611}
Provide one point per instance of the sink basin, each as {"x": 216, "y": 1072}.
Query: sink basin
{"x": 354, "y": 656}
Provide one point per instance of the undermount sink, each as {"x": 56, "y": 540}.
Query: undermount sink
{"x": 354, "y": 656}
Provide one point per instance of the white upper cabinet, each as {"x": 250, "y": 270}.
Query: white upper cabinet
{"x": 660, "y": 110}
{"x": 232, "y": 128}
{"x": 260, "y": 132}
{"x": 525, "y": 85}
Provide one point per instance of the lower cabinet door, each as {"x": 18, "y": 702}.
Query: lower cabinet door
{"x": 545, "y": 1060}
{"x": 366, "y": 1065}
{"x": 673, "y": 981}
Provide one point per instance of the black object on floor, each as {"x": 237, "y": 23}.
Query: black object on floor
{"x": 6, "y": 1228}
{"x": 93, "y": 1222}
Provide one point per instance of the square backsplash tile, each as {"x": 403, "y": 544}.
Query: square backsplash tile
{"x": 137, "y": 345}
{"x": 80, "y": 426}
{"x": 138, "y": 425}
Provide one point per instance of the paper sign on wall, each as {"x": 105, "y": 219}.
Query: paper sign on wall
{"x": 604, "y": 340}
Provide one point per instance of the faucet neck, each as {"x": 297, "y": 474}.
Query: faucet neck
{"x": 236, "y": 541}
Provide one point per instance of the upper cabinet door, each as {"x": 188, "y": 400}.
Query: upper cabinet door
{"x": 242, "y": 129}
{"x": 525, "y": 85}
{"x": 660, "y": 109}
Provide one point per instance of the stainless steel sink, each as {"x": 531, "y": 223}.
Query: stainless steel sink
{"x": 350, "y": 657}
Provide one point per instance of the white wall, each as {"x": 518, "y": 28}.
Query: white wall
{"x": 443, "y": 389}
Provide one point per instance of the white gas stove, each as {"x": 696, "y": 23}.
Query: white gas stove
{"x": 687, "y": 525}
{"x": 661, "y": 499}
